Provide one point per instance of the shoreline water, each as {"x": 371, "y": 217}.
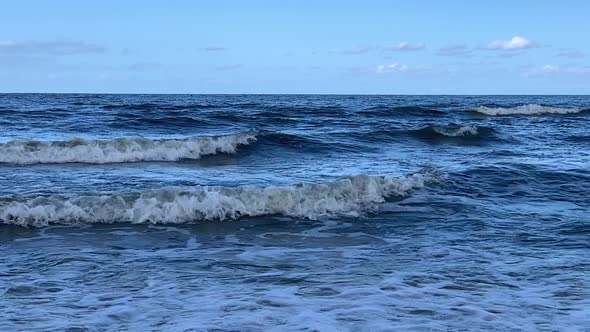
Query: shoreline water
{"x": 340, "y": 212}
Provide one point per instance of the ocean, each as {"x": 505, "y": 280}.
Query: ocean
{"x": 294, "y": 213}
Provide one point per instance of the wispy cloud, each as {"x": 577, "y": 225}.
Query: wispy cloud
{"x": 356, "y": 50}
{"x": 544, "y": 70}
{"x": 406, "y": 46}
{"x": 454, "y": 50}
{"x": 214, "y": 49}
{"x": 511, "y": 54}
{"x": 228, "y": 67}
{"x": 44, "y": 62}
{"x": 515, "y": 43}
{"x": 391, "y": 68}
{"x": 132, "y": 67}
{"x": 13, "y": 61}
{"x": 141, "y": 66}
{"x": 49, "y": 47}
{"x": 571, "y": 54}
{"x": 550, "y": 70}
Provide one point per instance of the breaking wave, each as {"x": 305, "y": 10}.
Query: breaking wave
{"x": 119, "y": 150}
{"x": 346, "y": 196}
{"x": 456, "y": 131}
{"x": 440, "y": 134}
{"x": 530, "y": 109}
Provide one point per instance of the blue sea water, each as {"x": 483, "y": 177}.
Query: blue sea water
{"x": 285, "y": 212}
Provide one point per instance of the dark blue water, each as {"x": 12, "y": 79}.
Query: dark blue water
{"x": 327, "y": 213}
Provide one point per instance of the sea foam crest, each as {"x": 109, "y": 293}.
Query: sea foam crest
{"x": 456, "y": 132}
{"x": 530, "y": 109}
{"x": 346, "y": 196}
{"x": 119, "y": 150}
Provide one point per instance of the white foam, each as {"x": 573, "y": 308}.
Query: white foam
{"x": 119, "y": 150}
{"x": 456, "y": 132}
{"x": 530, "y": 109}
{"x": 346, "y": 196}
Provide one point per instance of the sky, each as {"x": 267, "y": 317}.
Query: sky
{"x": 284, "y": 46}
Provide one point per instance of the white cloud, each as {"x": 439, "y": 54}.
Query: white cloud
{"x": 533, "y": 71}
{"x": 516, "y": 43}
{"x": 391, "y": 68}
{"x": 406, "y": 46}
{"x": 550, "y": 69}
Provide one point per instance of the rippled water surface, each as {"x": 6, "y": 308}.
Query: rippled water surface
{"x": 311, "y": 213}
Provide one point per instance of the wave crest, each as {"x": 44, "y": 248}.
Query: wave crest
{"x": 457, "y": 131}
{"x": 346, "y": 196}
{"x": 119, "y": 150}
{"x": 529, "y": 109}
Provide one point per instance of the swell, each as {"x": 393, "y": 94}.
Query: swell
{"x": 512, "y": 181}
{"x": 307, "y": 110}
{"x": 458, "y": 132}
{"x": 350, "y": 196}
{"x": 306, "y": 144}
{"x": 433, "y": 133}
{"x": 119, "y": 150}
{"x": 228, "y": 106}
{"x": 579, "y": 138}
{"x": 160, "y": 121}
{"x": 400, "y": 111}
{"x": 288, "y": 140}
{"x": 528, "y": 109}
{"x": 158, "y": 106}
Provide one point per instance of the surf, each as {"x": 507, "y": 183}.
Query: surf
{"x": 120, "y": 150}
{"x": 528, "y": 109}
{"x": 348, "y": 196}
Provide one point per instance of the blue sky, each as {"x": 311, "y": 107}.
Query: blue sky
{"x": 364, "y": 47}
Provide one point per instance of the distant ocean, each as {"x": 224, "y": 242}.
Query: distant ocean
{"x": 294, "y": 213}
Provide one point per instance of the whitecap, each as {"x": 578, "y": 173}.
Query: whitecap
{"x": 119, "y": 150}
{"x": 529, "y": 109}
{"x": 349, "y": 196}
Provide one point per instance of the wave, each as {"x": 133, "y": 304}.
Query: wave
{"x": 317, "y": 110}
{"x": 579, "y": 138}
{"x": 305, "y": 143}
{"x": 349, "y": 196}
{"x": 454, "y": 132}
{"x": 400, "y": 111}
{"x": 529, "y": 109}
{"x": 119, "y": 150}
{"x": 140, "y": 122}
{"x": 451, "y": 133}
{"x": 288, "y": 140}
{"x": 158, "y": 106}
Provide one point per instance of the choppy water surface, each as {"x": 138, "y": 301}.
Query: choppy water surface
{"x": 251, "y": 213}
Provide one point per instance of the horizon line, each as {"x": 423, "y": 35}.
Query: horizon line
{"x": 289, "y": 94}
